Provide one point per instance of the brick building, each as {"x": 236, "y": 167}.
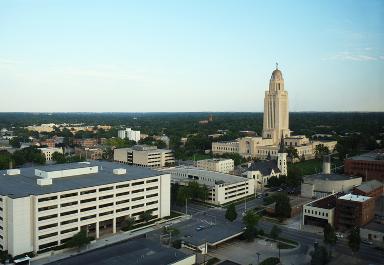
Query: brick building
{"x": 368, "y": 166}
{"x": 353, "y": 210}
{"x": 372, "y": 188}
{"x": 89, "y": 142}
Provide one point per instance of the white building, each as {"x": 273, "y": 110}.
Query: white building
{"x": 48, "y": 151}
{"x": 130, "y": 134}
{"x": 217, "y": 164}
{"x": 144, "y": 155}
{"x": 43, "y": 207}
{"x": 275, "y": 127}
{"x": 320, "y": 212}
{"x": 223, "y": 188}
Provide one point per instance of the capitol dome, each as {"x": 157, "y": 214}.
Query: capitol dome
{"x": 277, "y": 75}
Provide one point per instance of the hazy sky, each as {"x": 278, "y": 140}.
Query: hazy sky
{"x": 139, "y": 56}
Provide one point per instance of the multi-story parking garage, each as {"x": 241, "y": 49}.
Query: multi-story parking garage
{"x": 43, "y": 207}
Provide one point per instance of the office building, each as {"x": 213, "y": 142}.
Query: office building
{"x": 42, "y": 207}
{"x": 223, "y": 188}
{"x": 145, "y": 156}
{"x": 216, "y": 164}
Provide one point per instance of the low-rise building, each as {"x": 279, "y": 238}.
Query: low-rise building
{"x": 216, "y": 164}
{"x": 321, "y": 211}
{"x": 354, "y": 210}
{"x": 372, "y": 188}
{"x": 223, "y": 188}
{"x": 373, "y": 232}
{"x": 48, "y": 152}
{"x": 368, "y": 166}
{"x": 90, "y": 153}
{"x": 322, "y": 185}
{"x": 144, "y": 155}
{"x": 87, "y": 142}
{"x": 43, "y": 207}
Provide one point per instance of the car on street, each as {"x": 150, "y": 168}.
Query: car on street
{"x": 367, "y": 242}
{"x": 339, "y": 235}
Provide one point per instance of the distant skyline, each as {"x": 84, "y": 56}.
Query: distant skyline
{"x": 189, "y": 56}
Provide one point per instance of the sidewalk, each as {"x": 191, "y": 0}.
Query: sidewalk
{"x": 102, "y": 242}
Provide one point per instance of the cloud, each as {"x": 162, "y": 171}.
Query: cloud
{"x": 349, "y": 56}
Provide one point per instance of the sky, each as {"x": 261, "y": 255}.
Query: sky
{"x": 191, "y": 55}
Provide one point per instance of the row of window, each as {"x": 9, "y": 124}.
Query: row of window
{"x": 73, "y": 194}
{"x": 315, "y": 212}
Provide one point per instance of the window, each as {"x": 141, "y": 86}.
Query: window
{"x": 106, "y": 188}
{"x": 69, "y": 221}
{"x": 154, "y": 202}
{"x": 68, "y": 213}
{"x": 47, "y": 199}
{"x": 47, "y": 217}
{"x": 152, "y": 188}
{"x": 137, "y": 191}
{"x": 123, "y": 201}
{"x": 122, "y": 209}
{"x": 88, "y": 200}
{"x": 46, "y": 208}
{"x": 106, "y": 205}
{"x": 48, "y": 235}
{"x": 105, "y": 213}
{"x": 106, "y": 197}
{"x": 122, "y": 194}
{"x": 152, "y": 195}
{"x": 138, "y": 183}
{"x": 138, "y": 206}
{"x": 88, "y": 217}
{"x": 69, "y": 230}
{"x": 68, "y": 195}
{"x": 122, "y": 186}
{"x": 88, "y": 209}
{"x": 138, "y": 198}
{"x": 87, "y": 192}
{"x": 48, "y": 245}
{"x": 47, "y": 226}
{"x": 152, "y": 180}
{"x": 69, "y": 204}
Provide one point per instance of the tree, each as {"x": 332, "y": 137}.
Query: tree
{"x": 146, "y": 216}
{"x": 5, "y": 159}
{"x": 250, "y": 219}
{"x": 292, "y": 152}
{"x": 319, "y": 256}
{"x": 78, "y": 240}
{"x": 329, "y": 235}
{"x": 275, "y": 232}
{"x": 321, "y": 150}
{"x": 127, "y": 223}
{"x": 231, "y": 213}
{"x": 354, "y": 239}
{"x": 283, "y": 206}
{"x": 59, "y": 158}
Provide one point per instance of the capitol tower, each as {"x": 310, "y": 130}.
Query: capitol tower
{"x": 276, "y": 114}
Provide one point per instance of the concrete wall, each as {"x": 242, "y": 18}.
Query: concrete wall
{"x": 165, "y": 195}
{"x": 20, "y": 232}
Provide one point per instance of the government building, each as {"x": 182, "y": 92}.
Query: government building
{"x": 43, "y": 207}
{"x": 275, "y": 127}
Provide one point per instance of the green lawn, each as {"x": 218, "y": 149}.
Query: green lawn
{"x": 310, "y": 167}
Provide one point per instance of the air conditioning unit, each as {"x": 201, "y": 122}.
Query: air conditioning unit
{"x": 12, "y": 172}
{"x": 119, "y": 171}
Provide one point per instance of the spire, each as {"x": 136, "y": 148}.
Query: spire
{"x": 277, "y": 66}
{"x": 281, "y": 146}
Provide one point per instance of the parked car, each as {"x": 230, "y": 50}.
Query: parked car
{"x": 339, "y": 235}
{"x": 367, "y": 242}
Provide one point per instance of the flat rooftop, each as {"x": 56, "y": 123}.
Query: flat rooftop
{"x": 353, "y": 197}
{"x": 374, "y": 226}
{"x": 217, "y": 176}
{"x": 370, "y": 186}
{"x": 133, "y": 252}
{"x": 377, "y": 155}
{"x": 328, "y": 177}
{"x": 25, "y": 184}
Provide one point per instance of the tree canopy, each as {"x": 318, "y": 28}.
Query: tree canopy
{"x": 231, "y": 213}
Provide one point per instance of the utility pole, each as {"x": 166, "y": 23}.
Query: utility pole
{"x": 186, "y": 206}
{"x": 258, "y": 258}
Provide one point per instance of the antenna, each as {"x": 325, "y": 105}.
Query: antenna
{"x": 277, "y": 66}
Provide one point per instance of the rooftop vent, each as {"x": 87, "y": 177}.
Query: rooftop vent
{"x": 44, "y": 182}
{"x": 13, "y": 172}
{"x": 119, "y": 171}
